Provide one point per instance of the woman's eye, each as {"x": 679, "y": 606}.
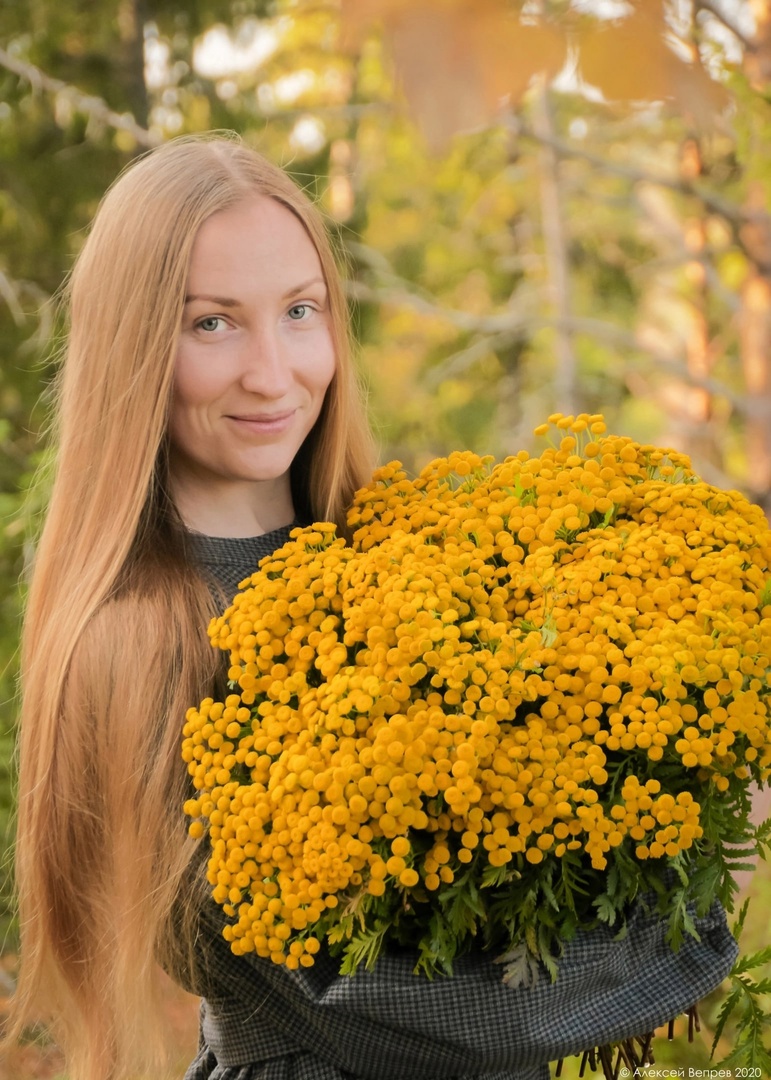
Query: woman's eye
{"x": 299, "y": 311}
{"x": 210, "y": 324}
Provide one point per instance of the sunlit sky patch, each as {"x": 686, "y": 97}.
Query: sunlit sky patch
{"x": 219, "y": 52}
{"x": 308, "y": 135}
{"x": 604, "y": 9}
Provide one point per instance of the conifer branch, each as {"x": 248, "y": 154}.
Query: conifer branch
{"x": 90, "y": 104}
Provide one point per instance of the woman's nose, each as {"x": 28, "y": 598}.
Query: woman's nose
{"x": 265, "y": 366}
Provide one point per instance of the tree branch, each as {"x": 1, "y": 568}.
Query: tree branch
{"x": 711, "y": 8}
{"x": 726, "y": 209}
{"x": 463, "y": 320}
{"x": 14, "y": 293}
{"x": 461, "y": 361}
{"x": 9, "y": 294}
{"x": 351, "y": 111}
{"x": 93, "y": 106}
{"x": 499, "y": 330}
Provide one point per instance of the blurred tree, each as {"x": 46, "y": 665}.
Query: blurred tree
{"x": 545, "y": 204}
{"x": 634, "y": 221}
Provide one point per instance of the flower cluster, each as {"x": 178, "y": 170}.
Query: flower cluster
{"x": 526, "y": 692}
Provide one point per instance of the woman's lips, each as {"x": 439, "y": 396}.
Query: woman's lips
{"x": 266, "y": 424}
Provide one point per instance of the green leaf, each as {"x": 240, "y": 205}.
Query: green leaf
{"x": 520, "y": 967}
{"x": 738, "y": 925}
{"x": 680, "y": 920}
{"x": 608, "y": 516}
{"x": 462, "y": 906}
{"x": 365, "y": 948}
{"x": 752, "y": 960}
{"x": 549, "y": 958}
{"x": 726, "y": 1009}
{"x": 340, "y": 931}
{"x": 495, "y": 875}
{"x": 746, "y": 1007}
{"x": 607, "y": 911}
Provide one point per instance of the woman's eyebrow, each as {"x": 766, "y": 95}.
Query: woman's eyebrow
{"x": 227, "y": 301}
{"x": 222, "y": 301}
{"x": 296, "y": 289}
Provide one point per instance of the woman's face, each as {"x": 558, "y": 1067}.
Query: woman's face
{"x": 255, "y": 358}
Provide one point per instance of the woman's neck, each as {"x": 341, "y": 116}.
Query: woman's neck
{"x": 234, "y": 510}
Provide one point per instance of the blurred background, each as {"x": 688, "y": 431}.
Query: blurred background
{"x": 544, "y": 205}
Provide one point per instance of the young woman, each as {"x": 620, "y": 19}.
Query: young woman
{"x": 206, "y": 403}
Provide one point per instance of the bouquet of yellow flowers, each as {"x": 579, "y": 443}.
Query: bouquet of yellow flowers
{"x": 523, "y": 696}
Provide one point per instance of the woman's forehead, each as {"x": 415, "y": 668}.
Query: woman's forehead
{"x": 259, "y": 237}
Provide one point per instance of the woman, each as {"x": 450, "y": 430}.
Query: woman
{"x": 206, "y": 403}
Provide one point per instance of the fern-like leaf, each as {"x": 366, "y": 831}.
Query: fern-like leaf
{"x": 723, "y": 1015}
{"x": 365, "y": 948}
{"x": 744, "y": 1005}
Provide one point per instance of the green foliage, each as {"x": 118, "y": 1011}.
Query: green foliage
{"x": 746, "y": 1009}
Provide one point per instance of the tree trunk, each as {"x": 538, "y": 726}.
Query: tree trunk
{"x": 557, "y": 260}
{"x": 130, "y": 57}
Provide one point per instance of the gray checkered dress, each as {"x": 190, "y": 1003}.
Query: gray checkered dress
{"x": 263, "y": 1022}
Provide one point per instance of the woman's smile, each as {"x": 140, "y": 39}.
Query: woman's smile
{"x": 265, "y": 423}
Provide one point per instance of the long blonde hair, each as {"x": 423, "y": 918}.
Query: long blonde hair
{"x": 114, "y": 646}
